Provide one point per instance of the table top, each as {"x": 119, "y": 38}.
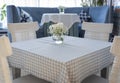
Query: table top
{"x": 71, "y": 48}
{"x": 68, "y": 19}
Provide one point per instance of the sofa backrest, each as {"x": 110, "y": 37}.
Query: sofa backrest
{"x": 37, "y": 12}
{"x": 99, "y": 14}
{"x": 76, "y": 10}
{"x": 13, "y": 13}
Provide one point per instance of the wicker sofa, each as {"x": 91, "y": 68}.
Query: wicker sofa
{"x": 99, "y": 14}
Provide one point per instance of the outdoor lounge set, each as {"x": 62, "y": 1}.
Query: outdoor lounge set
{"x": 46, "y": 46}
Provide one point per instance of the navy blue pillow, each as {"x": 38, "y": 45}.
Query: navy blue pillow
{"x": 99, "y": 14}
{"x": 84, "y": 16}
{"x": 24, "y": 16}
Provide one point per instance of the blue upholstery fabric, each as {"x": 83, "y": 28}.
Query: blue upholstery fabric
{"x": 76, "y": 9}
{"x": 37, "y": 12}
{"x": 12, "y": 14}
{"x": 99, "y": 14}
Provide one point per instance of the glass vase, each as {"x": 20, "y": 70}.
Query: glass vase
{"x": 58, "y": 39}
{"x": 61, "y": 11}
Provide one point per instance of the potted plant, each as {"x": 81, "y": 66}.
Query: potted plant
{"x": 2, "y": 14}
{"x": 86, "y": 3}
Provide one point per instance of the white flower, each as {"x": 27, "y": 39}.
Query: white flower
{"x": 61, "y": 8}
{"x": 57, "y": 29}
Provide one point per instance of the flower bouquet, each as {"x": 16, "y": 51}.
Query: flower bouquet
{"x": 57, "y": 31}
{"x": 61, "y": 9}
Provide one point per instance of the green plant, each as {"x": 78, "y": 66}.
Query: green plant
{"x": 3, "y": 12}
{"x": 92, "y": 2}
{"x": 100, "y": 2}
{"x": 85, "y": 3}
{"x": 61, "y": 8}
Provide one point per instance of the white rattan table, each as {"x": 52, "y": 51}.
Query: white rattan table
{"x": 69, "y": 62}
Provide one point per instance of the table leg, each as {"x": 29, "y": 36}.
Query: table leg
{"x": 16, "y": 72}
{"x": 105, "y": 73}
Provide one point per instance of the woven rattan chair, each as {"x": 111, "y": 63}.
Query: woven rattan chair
{"x": 5, "y": 50}
{"x": 115, "y": 72}
{"x": 23, "y": 31}
{"x": 99, "y": 31}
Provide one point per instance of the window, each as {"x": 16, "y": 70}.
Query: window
{"x": 42, "y": 3}
{"x": 56, "y": 3}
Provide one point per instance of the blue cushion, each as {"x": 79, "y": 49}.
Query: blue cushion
{"x": 84, "y": 16}
{"x": 99, "y": 14}
{"x": 37, "y": 13}
{"x": 24, "y": 16}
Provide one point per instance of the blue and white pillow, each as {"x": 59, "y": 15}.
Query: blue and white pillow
{"x": 24, "y": 16}
{"x": 84, "y": 16}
